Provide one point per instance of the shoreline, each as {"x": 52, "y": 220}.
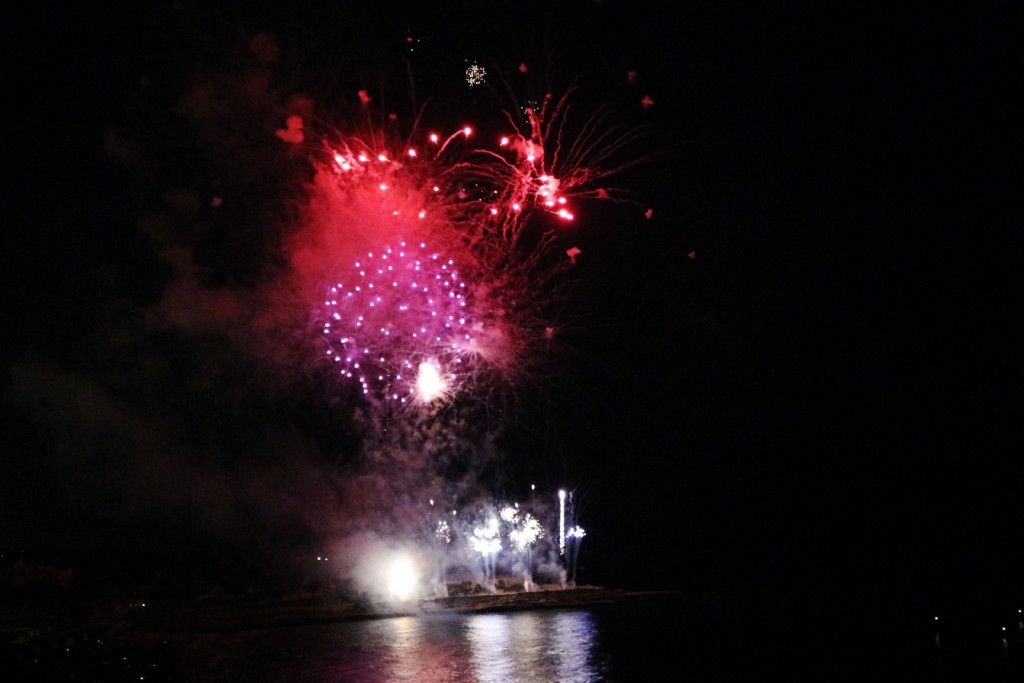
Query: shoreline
{"x": 183, "y": 625}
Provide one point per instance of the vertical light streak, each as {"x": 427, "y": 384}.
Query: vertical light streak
{"x": 561, "y": 521}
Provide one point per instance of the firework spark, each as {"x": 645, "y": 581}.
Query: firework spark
{"x": 574, "y": 535}
{"x": 445, "y": 292}
{"x": 525, "y": 535}
{"x": 401, "y": 325}
{"x": 443, "y": 532}
{"x": 486, "y": 540}
{"x": 475, "y": 75}
{"x": 431, "y": 304}
{"x": 539, "y": 166}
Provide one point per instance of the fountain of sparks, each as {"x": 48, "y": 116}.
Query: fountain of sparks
{"x": 443, "y": 537}
{"x": 486, "y": 540}
{"x": 524, "y": 534}
{"x": 574, "y": 536}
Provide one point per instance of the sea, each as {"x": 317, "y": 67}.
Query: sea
{"x": 646, "y": 637}
{"x": 657, "y": 638}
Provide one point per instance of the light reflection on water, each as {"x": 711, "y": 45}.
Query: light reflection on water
{"x": 542, "y": 646}
{"x": 656, "y": 640}
{"x": 532, "y": 646}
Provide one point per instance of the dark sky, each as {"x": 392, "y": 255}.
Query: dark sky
{"x": 801, "y": 372}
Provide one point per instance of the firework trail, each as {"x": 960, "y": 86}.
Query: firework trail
{"x": 539, "y": 166}
{"x": 561, "y": 521}
{"x": 570, "y": 534}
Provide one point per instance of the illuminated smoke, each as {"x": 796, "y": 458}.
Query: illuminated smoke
{"x": 437, "y": 305}
{"x": 417, "y": 272}
{"x": 401, "y": 579}
{"x": 258, "y": 199}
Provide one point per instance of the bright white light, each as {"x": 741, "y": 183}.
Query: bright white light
{"x": 561, "y": 521}
{"x": 486, "y": 539}
{"x": 527, "y": 534}
{"x": 401, "y": 579}
{"x": 429, "y": 383}
{"x": 475, "y": 75}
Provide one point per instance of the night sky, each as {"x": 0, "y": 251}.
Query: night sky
{"x": 799, "y": 376}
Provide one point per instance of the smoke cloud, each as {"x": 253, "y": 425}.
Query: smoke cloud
{"x": 193, "y": 397}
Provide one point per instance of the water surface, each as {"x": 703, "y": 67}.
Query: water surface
{"x": 650, "y": 640}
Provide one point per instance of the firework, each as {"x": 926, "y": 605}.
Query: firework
{"x": 561, "y": 521}
{"x": 524, "y": 536}
{"x": 540, "y": 166}
{"x": 426, "y": 284}
{"x": 447, "y": 292}
{"x": 575, "y": 535}
{"x": 569, "y": 536}
{"x": 510, "y": 514}
{"x": 524, "y": 529}
{"x": 475, "y": 75}
{"x": 427, "y": 307}
{"x": 524, "y": 533}
{"x": 486, "y": 540}
{"x": 443, "y": 532}
{"x": 401, "y": 325}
